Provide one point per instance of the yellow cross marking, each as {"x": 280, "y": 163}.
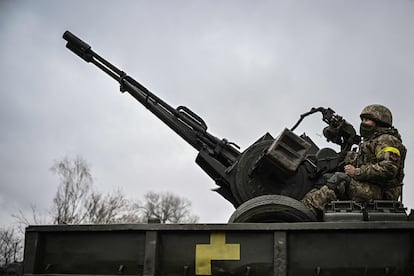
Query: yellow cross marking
{"x": 216, "y": 250}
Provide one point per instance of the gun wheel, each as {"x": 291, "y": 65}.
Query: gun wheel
{"x": 272, "y": 208}
{"x": 268, "y": 180}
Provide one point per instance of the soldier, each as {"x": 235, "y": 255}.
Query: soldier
{"x": 375, "y": 172}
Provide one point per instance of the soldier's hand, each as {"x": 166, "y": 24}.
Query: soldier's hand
{"x": 350, "y": 170}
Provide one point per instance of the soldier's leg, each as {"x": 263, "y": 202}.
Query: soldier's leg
{"x": 364, "y": 192}
{"x": 392, "y": 193}
{"x": 316, "y": 199}
{"x": 336, "y": 187}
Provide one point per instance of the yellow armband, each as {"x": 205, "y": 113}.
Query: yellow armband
{"x": 388, "y": 149}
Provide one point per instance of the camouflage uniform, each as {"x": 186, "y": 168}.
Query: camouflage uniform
{"x": 379, "y": 171}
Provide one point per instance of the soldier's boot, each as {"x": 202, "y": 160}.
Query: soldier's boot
{"x": 316, "y": 199}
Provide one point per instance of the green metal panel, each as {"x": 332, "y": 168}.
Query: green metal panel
{"x": 106, "y": 253}
{"x": 357, "y": 248}
{"x": 351, "y": 252}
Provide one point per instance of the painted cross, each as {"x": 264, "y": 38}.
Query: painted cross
{"x": 216, "y": 250}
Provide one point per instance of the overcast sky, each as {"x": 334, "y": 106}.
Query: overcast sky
{"x": 246, "y": 67}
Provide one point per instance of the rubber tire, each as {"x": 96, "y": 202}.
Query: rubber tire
{"x": 272, "y": 208}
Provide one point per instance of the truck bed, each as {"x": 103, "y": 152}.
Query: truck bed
{"x": 312, "y": 248}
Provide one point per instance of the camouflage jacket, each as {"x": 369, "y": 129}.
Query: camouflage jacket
{"x": 380, "y": 159}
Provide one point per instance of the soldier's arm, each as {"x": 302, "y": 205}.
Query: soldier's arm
{"x": 385, "y": 169}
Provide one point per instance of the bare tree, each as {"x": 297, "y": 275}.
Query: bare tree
{"x": 110, "y": 208}
{"x": 166, "y": 207}
{"x": 73, "y": 191}
{"x": 76, "y": 202}
{"x": 11, "y": 246}
{"x": 16, "y": 234}
{"x": 36, "y": 218}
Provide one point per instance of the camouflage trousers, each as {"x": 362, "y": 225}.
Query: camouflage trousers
{"x": 316, "y": 199}
{"x": 361, "y": 192}
{"x": 392, "y": 193}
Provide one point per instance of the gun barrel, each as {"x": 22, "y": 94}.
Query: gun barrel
{"x": 182, "y": 120}
{"x": 73, "y": 39}
{"x": 78, "y": 46}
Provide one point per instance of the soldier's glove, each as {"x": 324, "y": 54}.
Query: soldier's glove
{"x": 337, "y": 182}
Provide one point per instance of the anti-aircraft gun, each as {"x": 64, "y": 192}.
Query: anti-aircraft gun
{"x": 265, "y": 183}
{"x": 270, "y": 176}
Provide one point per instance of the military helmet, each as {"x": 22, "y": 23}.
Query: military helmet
{"x": 378, "y": 113}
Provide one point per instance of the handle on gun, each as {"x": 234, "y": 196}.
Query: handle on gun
{"x": 191, "y": 117}
{"x": 302, "y": 116}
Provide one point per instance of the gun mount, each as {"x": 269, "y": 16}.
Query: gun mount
{"x": 282, "y": 169}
